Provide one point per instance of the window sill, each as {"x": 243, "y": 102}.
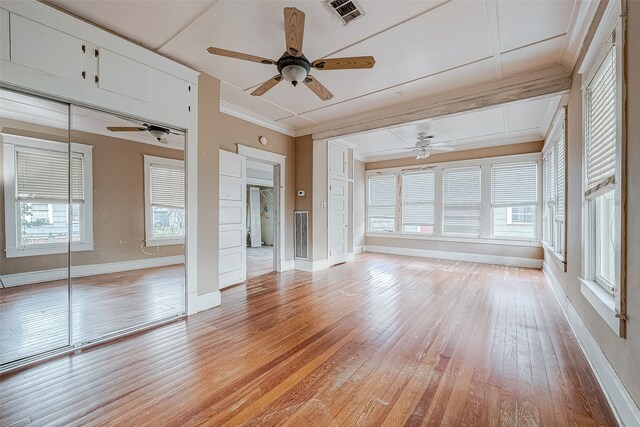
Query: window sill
{"x": 44, "y": 250}
{"x": 483, "y": 240}
{"x": 602, "y": 302}
{"x": 557, "y": 256}
{"x": 164, "y": 242}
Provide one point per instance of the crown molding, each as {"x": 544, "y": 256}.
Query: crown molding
{"x": 248, "y": 116}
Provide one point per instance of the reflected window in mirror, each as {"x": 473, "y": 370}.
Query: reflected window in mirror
{"x": 164, "y": 201}
{"x": 39, "y": 212}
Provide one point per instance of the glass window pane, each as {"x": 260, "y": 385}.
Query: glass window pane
{"x": 517, "y": 222}
{"x": 604, "y": 233}
{"x": 168, "y": 223}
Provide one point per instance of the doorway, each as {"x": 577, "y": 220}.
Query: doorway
{"x": 261, "y": 203}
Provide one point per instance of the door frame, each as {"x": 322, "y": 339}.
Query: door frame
{"x": 330, "y": 259}
{"x": 279, "y": 189}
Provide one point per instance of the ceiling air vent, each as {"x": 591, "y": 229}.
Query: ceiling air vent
{"x": 347, "y": 10}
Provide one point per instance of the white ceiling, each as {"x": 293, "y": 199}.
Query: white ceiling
{"x": 511, "y": 123}
{"x": 421, "y": 47}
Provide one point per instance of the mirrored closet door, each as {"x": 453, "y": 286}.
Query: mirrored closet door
{"x": 35, "y": 226}
{"x": 131, "y": 211}
{"x": 93, "y": 224}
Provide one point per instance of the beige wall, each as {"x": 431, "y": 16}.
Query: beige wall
{"x": 320, "y": 220}
{"x": 358, "y": 203}
{"x": 622, "y": 354}
{"x": 118, "y": 201}
{"x": 304, "y": 181}
{"x": 479, "y": 153}
{"x": 218, "y": 131}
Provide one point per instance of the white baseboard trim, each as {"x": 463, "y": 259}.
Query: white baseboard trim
{"x": 458, "y": 256}
{"x": 207, "y": 301}
{"x": 311, "y": 266}
{"x": 351, "y": 256}
{"x": 624, "y": 408}
{"x": 289, "y": 264}
{"x": 359, "y": 249}
{"x": 19, "y": 279}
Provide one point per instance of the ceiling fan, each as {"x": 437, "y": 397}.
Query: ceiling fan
{"x": 425, "y": 146}
{"x": 293, "y": 66}
{"x": 157, "y": 132}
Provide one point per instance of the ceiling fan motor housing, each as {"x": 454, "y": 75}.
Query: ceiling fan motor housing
{"x": 294, "y": 69}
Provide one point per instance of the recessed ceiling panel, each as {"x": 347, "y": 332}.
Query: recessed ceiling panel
{"x": 424, "y": 46}
{"x": 526, "y": 115}
{"x": 257, "y": 27}
{"x": 523, "y": 22}
{"x": 540, "y": 55}
{"x": 297, "y": 122}
{"x": 372, "y": 142}
{"x": 150, "y": 23}
{"x": 476, "y": 124}
{"x": 409, "y": 133}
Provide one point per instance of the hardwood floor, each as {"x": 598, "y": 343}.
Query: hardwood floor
{"x": 34, "y": 318}
{"x": 384, "y": 340}
{"x": 259, "y": 261}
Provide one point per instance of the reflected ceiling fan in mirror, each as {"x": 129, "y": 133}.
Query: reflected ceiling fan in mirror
{"x": 425, "y": 146}
{"x": 293, "y": 66}
{"x": 158, "y": 132}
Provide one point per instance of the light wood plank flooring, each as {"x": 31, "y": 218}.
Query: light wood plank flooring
{"x": 384, "y": 340}
{"x": 259, "y": 261}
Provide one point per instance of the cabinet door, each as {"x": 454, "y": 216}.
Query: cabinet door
{"x": 168, "y": 91}
{"x": 122, "y": 75}
{"x": 4, "y": 34}
{"x": 42, "y": 48}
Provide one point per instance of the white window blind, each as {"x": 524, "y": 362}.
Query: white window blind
{"x": 418, "y": 201}
{"x": 44, "y": 175}
{"x": 514, "y": 184}
{"x": 382, "y": 203}
{"x": 461, "y": 199}
{"x": 560, "y": 173}
{"x": 167, "y": 186}
{"x": 601, "y": 124}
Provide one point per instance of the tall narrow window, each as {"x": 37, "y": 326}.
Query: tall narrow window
{"x": 554, "y": 186}
{"x": 514, "y": 197}
{"x": 165, "y": 201}
{"x": 461, "y": 201}
{"x": 601, "y": 138}
{"x": 418, "y": 202}
{"x": 381, "y": 206}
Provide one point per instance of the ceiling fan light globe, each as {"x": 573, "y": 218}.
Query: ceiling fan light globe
{"x": 294, "y": 74}
{"x": 158, "y": 133}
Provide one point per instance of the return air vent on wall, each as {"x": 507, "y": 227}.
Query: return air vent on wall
{"x": 347, "y": 10}
{"x": 301, "y": 224}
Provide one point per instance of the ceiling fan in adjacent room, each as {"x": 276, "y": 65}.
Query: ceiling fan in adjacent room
{"x": 425, "y": 146}
{"x": 293, "y": 66}
{"x": 157, "y": 132}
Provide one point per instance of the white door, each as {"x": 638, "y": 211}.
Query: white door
{"x": 338, "y": 209}
{"x": 232, "y": 264}
{"x": 255, "y": 229}
{"x": 338, "y": 220}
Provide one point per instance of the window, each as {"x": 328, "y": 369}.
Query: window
{"x": 554, "y": 186}
{"x": 461, "y": 201}
{"x": 40, "y": 213}
{"x": 164, "y": 201}
{"x": 600, "y": 177}
{"x": 418, "y": 202}
{"x": 514, "y": 196}
{"x": 381, "y": 203}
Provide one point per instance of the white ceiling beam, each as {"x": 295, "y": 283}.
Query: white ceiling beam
{"x": 554, "y": 80}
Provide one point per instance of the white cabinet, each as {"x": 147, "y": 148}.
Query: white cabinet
{"x": 42, "y": 48}
{"x": 122, "y": 75}
{"x": 168, "y": 91}
{"x": 4, "y": 34}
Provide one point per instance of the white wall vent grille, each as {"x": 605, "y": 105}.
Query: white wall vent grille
{"x": 301, "y": 224}
{"x": 347, "y": 10}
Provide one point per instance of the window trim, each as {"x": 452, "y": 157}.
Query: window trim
{"x": 12, "y": 250}
{"x": 148, "y": 216}
{"x": 558, "y": 124}
{"x": 485, "y": 201}
{"x": 612, "y": 308}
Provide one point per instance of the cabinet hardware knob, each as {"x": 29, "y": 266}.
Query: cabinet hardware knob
{"x": 96, "y": 78}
